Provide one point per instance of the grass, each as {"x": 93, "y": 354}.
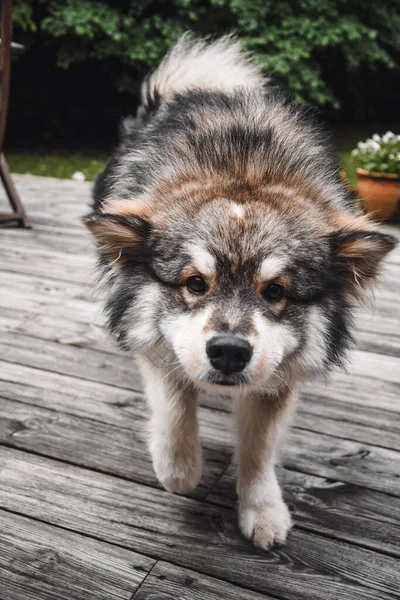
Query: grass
{"x": 62, "y": 164}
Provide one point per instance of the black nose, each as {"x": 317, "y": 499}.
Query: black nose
{"x": 228, "y": 353}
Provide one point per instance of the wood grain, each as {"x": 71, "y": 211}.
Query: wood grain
{"x": 340, "y": 510}
{"x": 101, "y": 446}
{"x": 309, "y": 451}
{"x": 41, "y": 562}
{"x": 191, "y": 534}
{"x": 169, "y": 582}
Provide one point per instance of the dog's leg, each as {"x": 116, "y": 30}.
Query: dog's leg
{"x": 263, "y": 516}
{"x": 174, "y": 440}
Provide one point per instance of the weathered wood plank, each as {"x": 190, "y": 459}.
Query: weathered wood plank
{"x": 67, "y": 359}
{"x": 39, "y": 296}
{"x": 127, "y": 410}
{"x": 351, "y": 462}
{"x": 370, "y": 380}
{"x": 378, "y": 329}
{"x": 349, "y": 421}
{"x": 100, "y": 446}
{"x": 310, "y": 451}
{"x": 63, "y": 393}
{"x": 94, "y": 401}
{"x": 191, "y": 534}
{"x": 340, "y": 510}
{"x": 57, "y": 329}
{"x": 77, "y": 268}
{"x": 168, "y": 582}
{"x": 41, "y": 562}
{"x": 384, "y": 305}
{"x": 56, "y": 262}
{"x": 47, "y": 239}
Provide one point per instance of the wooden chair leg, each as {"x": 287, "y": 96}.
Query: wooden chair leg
{"x": 18, "y": 213}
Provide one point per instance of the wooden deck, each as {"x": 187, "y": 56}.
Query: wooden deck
{"x": 81, "y": 514}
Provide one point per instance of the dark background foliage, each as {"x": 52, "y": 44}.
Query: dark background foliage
{"x": 84, "y": 59}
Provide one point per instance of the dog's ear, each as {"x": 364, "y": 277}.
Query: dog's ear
{"x": 357, "y": 256}
{"x": 118, "y": 237}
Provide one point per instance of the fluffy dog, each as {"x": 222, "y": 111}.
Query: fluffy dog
{"x": 232, "y": 258}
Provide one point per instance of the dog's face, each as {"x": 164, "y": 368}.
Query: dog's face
{"x": 236, "y": 294}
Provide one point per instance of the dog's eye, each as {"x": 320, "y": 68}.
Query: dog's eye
{"x": 273, "y": 292}
{"x": 196, "y": 285}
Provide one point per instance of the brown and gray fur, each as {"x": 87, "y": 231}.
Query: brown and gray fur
{"x": 221, "y": 179}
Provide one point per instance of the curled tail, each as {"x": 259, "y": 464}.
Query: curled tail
{"x": 220, "y": 65}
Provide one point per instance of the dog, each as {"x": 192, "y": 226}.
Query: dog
{"x": 232, "y": 260}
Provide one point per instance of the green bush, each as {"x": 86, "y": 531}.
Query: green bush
{"x": 311, "y": 47}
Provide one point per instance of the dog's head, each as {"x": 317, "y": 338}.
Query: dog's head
{"x": 246, "y": 289}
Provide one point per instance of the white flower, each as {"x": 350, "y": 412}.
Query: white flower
{"x": 376, "y": 137}
{"x": 391, "y": 156}
{"x": 369, "y": 147}
{"x": 375, "y": 146}
{"x": 398, "y": 156}
{"x": 78, "y": 176}
{"x": 354, "y": 152}
{"x": 389, "y": 136}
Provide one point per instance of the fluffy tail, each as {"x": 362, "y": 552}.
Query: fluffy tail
{"x": 198, "y": 64}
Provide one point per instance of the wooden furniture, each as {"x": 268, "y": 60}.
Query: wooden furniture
{"x": 18, "y": 214}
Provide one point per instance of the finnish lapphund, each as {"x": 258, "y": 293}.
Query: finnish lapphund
{"x": 232, "y": 258}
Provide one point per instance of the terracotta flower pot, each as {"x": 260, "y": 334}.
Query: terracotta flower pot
{"x": 380, "y": 194}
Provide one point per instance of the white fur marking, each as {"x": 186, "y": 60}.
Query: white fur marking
{"x": 271, "y": 267}
{"x": 237, "y": 210}
{"x": 185, "y": 333}
{"x": 203, "y": 260}
{"x": 144, "y": 332}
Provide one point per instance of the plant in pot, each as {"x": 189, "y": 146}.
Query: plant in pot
{"x": 378, "y": 170}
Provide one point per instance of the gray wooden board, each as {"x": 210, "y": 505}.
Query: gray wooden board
{"x": 313, "y": 452}
{"x": 76, "y": 268}
{"x": 372, "y": 467}
{"x": 340, "y": 510}
{"x": 319, "y": 400}
{"x": 82, "y": 441}
{"x": 57, "y": 329}
{"x": 99, "y": 446}
{"x": 68, "y": 359}
{"x": 350, "y": 421}
{"x": 191, "y": 534}
{"x": 169, "y": 582}
{"x": 119, "y": 406}
{"x": 370, "y": 380}
{"x": 42, "y": 562}
{"x": 37, "y": 295}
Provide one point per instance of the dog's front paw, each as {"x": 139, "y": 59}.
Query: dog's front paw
{"x": 266, "y": 525}
{"x": 179, "y": 472}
